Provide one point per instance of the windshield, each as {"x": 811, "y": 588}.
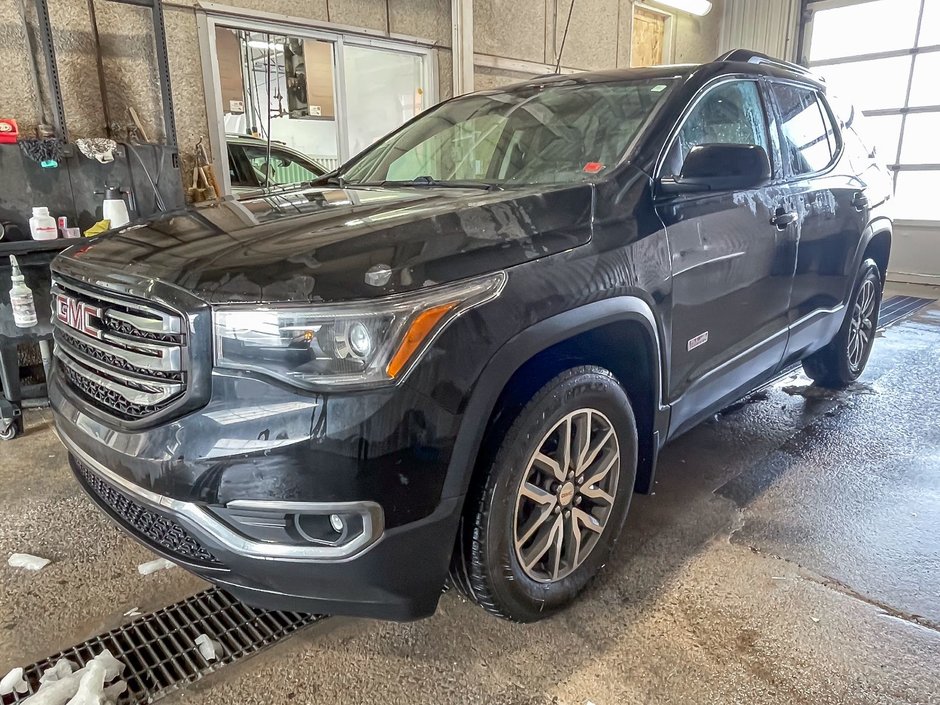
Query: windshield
{"x": 551, "y": 134}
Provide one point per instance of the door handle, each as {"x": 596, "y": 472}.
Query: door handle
{"x": 783, "y": 219}
{"x": 859, "y": 201}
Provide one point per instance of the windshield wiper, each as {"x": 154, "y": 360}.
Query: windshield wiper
{"x": 331, "y": 179}
{"x": 430, "y": 182}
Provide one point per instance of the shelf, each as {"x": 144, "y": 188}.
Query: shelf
{"x": 25, "y": 247}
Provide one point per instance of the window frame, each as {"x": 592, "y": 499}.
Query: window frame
{"x": 825, "y": 111}
{"x": 213, "y": 16}
{"x": 893, "y": 162}
{"x": 772, "y": 154}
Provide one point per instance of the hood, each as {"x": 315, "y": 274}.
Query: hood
{"x": 317, "y": 245}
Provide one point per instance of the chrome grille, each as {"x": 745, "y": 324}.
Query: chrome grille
{"x": 124, "y": 357}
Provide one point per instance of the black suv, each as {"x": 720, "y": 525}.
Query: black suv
{"x": 460, "y": 353}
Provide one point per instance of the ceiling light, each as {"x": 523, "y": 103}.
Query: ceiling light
{"x": 268, "y": 46}
{"x": 695, "y": 7}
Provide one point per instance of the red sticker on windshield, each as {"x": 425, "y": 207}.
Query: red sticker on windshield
{"x": 593, "y": 167}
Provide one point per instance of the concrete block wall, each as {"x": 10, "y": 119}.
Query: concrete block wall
{"x": 525, "y": 30}
{"x": 598, "y": 35}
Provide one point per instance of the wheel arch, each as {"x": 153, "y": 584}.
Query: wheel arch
{"x": 875, "y": 243}
{"x": 878, "y": 248}
{"x": 619, "y": 333}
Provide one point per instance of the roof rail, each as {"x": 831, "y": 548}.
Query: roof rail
{"x": 755, "y": 57}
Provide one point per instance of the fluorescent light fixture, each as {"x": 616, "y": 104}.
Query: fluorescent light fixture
{"x": 268, "y": 46}
{"x": 695, "y": 7}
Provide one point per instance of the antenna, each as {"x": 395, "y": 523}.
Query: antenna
{"x": 564, "y": 37}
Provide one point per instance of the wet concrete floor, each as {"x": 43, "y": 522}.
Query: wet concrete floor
{"x": 790, "y": 554}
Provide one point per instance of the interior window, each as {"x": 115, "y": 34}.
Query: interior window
{"x": 809, "y": 138}
{"x": 284, "y": 168}
{"x": 730, "y": 113}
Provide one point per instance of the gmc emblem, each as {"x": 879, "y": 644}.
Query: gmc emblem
{"x": 77, "y": 314}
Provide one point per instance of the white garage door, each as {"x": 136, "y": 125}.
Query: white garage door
{"x": 884, "y": 56}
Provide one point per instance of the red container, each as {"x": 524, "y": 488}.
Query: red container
{"x": 9, "y": 132}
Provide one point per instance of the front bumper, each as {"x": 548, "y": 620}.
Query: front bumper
{"x": 160, "y": 489}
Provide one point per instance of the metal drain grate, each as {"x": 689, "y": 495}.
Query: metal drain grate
{"x": 159, "y": 649}
{"x": 894, "y": 308}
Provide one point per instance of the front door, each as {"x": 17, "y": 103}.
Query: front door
{"x": 731, "y": 267}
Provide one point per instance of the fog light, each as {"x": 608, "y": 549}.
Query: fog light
{"x": 336, "y": 521}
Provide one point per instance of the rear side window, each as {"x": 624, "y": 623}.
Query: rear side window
{"x": 729, "y": 113}
{"x": 810, "y": 141}
{"x": 283, "y": 168}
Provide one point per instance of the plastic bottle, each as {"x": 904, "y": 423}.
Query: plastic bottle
{"x": 114, "y": 208}
{"x": 42, "y": 225}
{"x": 21, "y": 298}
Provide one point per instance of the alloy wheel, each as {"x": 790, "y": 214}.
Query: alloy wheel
{"x": 862, "y": 327}
{"x": 566, "y": 495}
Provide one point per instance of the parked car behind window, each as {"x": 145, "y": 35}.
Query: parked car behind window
{"x": 250, "y": 170}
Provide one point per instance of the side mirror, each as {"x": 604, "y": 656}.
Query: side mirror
{"x": 720, "y": 167}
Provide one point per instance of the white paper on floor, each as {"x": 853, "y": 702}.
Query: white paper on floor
{"x": 25, "y": 560}
{"x": 153, "y": 566}
{"x": 13, "y": 681}
{"x": 86, "y": 686}
{"x": 209, "y": 649}
{"x": 62, "y": 668}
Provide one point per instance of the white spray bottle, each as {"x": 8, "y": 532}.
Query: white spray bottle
{"x": 21, "y": 298}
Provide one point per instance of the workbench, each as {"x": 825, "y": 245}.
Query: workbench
{"x": 34, "y": 257}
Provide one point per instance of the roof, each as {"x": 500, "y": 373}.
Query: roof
{"x": 759, "y": 63}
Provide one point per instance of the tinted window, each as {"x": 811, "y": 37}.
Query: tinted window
{"x": 809, "y": 138}
{"x": 730, "y": 113}
{"x": 284, "y": 168}
{"x": 236, "y": 170}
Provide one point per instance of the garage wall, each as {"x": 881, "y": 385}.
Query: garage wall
{"x": 598, "y": 37}
{"x": 915, "y": 257}
{"x": 130, "y": 69}
{"x": 527, "y": 30}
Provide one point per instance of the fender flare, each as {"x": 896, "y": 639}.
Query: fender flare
{"x": 875, "y": 227}
{"x": 520, "y": 349}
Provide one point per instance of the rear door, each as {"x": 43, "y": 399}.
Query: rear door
{"x": 831, "y": 202}
{"x": 731, "y": 266}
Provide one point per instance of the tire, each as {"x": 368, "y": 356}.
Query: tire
{"x": 507, "y": 522}
{"x": 843, "y": 360}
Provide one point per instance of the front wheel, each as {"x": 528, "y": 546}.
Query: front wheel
{"x": 843, "y": 360}
{"x": 554, "y": 500}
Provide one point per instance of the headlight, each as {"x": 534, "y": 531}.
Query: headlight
{"x": 357, "y": 344}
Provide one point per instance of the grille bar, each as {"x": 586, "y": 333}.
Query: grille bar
{"x": 135, "y": 390}
{"x": 138, "y": 314}
{"x": 136, "y": 355}
{"x": 148, "y": 324}
{"x": 159, "y": 648}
